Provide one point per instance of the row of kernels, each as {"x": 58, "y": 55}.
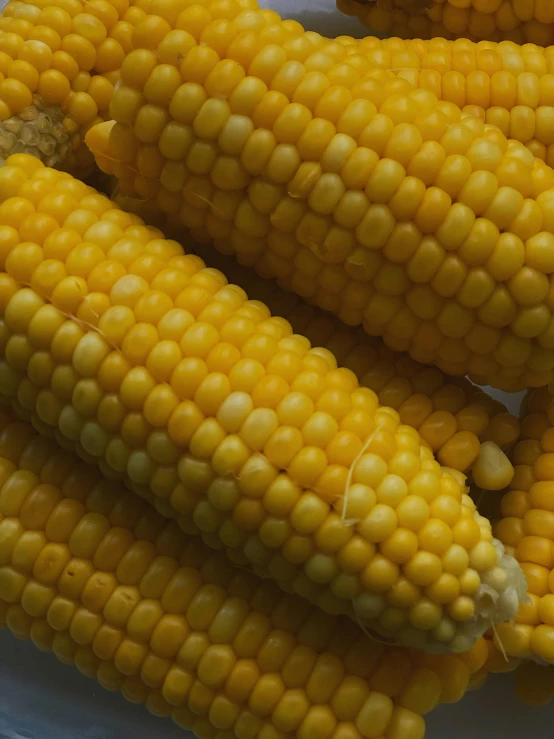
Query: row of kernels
{"x": 449, "y": 20}
{"x": 207, "y": 203}
{"x": 460, "y": 56}
{"x": 529, "y": 124}
{"x": 512, "y": 91}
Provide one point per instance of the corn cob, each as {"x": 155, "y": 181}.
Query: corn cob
{"x": 59, "y": 64}
{"x": 98, "y": 576}
{"x": 522, "y": 21}
{"x": 502, "y": 83}
{"x": 458, "y": 420}
{"x": 519, "y": 101}
{"x": 351, "y": 208}
{"x": 170, "y": 377}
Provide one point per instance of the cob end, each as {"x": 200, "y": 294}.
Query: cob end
{"x": 492, "y": 470}
{"x": 496, "y": 601}
{"x": 38, "y": 130}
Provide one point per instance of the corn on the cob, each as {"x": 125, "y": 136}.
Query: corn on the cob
{"x": 504, "y": 84}
{"x": 170, "y": 377}
{"x": 59, "y": 64}
{"x": 380, "y": 207}
{"x": 452, "y": 415}
{"x": 98, "y": 576}
{"x": 519, "y": 101}
{"x": 522, "y": 21}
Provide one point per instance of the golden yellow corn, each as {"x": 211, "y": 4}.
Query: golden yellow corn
{"x": 153, "y": 365}
{"x": 370, "y": 198}
{"x": 456, "y": 418}
{"x": 99, "y": 577}
{"x": 504, "y": 83}
{"x": 59, "y": 64}
{"x": 522, "y": 21}
{"x": 527, "y": 530}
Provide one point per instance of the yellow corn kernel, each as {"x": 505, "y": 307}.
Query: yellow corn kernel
{"x": 234, "y": 434}
{"x": 493, "y": 470}
{"x": 214, "y": 641}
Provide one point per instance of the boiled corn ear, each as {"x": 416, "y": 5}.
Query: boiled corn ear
{"x": 506, "y": 84}
{"x": 156, "y": 367}
{"x": 522, "y": 21}
{"x": 519, "y": 100}
{"x": 389, "y": 211}
{"x": 96, "y": 575}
